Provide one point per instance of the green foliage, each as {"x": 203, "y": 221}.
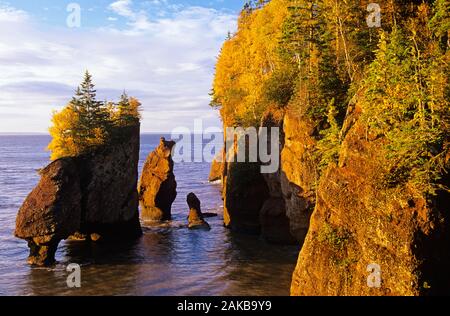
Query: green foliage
{"x": 440, "y": 22}
{"x": 279, "y": 89}
{"x": 127, "y": 111}
{"x": 329, "y": 145}
{"x": 405, "y": 102}
{"x": 92, "y": 113}
{"x": 313, "y": 57}
{"x": 85, "y": 123}
{"x": 335, "y": 237}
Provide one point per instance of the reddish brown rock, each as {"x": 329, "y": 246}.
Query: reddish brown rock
{"x": 357, "y": 227}
{"x": 275, "y": 225}
{"x": 157, "y": 187}
{"x": 51, "y": 212}
{"x": 216, "y": 171}
{"x": 245, "y": 192}
{"x": 109, "y": 180}
{"x": 90, "y": 195}
{"x": 299, "y": 173}
{"x": 195, "y": 218}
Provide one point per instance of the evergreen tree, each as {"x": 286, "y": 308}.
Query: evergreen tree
{"x": 127, "y": 110}
{"x": 85, "y": 124}
{"x": 92, "y": 114}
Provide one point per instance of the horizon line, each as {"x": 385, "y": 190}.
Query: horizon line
{"x": 48, "y": 134}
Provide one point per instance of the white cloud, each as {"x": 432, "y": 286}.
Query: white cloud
{"x": 168, "y": 63}
{"x": 10, "y": 14}
{"x": 123, "y": 8}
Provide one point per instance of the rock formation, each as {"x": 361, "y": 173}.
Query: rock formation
{"x": 244, "y": 193}
{"x": 275, "y": 225}
{"x": 298, "y": 174}
{"x": 254, "y": 202}
{"x": 89, "y": 195}
{"x": 195, "y": 218}
{"x": 360, "y": 232}
{"x": 216, "y": 171}
{"x": 157, "y": 187}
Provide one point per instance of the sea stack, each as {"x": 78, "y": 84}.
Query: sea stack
{"x": 88, "y": 195}
{"x": 217, "y": 165}
{"x": 157, "y": 187}
{"x": 195, "y": 218}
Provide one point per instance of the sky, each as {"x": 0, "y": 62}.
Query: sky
{"x": 161, "y": 51}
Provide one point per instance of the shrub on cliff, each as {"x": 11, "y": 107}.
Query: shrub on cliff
{"x": 406, "y": 101}
{"x": 85, "y": 123}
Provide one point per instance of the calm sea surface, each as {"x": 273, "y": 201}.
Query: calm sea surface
{"x": 168, "y": 260}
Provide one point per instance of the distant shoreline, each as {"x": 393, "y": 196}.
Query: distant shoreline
{"x": 47, "y": 134}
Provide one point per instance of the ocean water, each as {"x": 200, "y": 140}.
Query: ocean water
{"x": 169, "y": 259}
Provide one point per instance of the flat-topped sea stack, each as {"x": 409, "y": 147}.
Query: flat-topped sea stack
{"x": 89, "y": 195}
{"x": 157, "y": 186}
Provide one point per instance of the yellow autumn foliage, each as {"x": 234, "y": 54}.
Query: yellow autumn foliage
{"x": 247, "y": 61}
{"x": 63, "y": 143}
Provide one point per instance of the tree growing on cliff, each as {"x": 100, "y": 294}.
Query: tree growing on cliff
{"x": 93, "y": 115}
{"x": 128, "y": 111}
{"x": 64, "y": 141}
{"x": 85, "y": 123}
{"x": 405, "y": 100}
{"x": 247, "y": 61}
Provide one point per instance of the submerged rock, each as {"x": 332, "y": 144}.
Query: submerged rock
{"x": 195, "y": 218}
{"x": 89, "y": 195}
{"x": 157, "y": 187}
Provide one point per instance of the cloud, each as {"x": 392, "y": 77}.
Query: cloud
{"x": 167, "y": 62}
{"x": 10, "y": 14}
{"x": 123, "y": 8}
{"x": 137, "y": 20}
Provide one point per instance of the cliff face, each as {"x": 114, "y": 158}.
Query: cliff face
{"x": 357, "y": 227}
{"x": 157, "y": 186}
{"x": 217, "y": 165}
{"x": 298, "y": 173}
{"x": 244, "y": 193}
{"x": 91, "y": 195}
{"x": 275, "y": 223}
{"x": 255, "y": 202}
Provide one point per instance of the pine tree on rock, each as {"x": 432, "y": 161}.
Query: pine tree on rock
{"x": 93, "y": 115}
{"x": 128, "y": 110}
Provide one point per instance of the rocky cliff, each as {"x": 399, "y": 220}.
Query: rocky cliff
{"x": 364, "y": 178}
{"x": 275, "y": 223}
{"x": 157, "y": 186}
{"x": 368, "y": 240}
{"x": 89, "y": 195}
{"x": 254, "y": 202}
{"x": 298, "y": 174}
{"x": 244, "y": 193}
{"x": 216, "y": 171}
